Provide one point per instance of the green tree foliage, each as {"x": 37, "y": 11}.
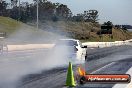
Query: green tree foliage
{"x": 87, "y": 16}
{"x": 109, "y": 23}
{"x": 3, "y": 6}
{"x": 63, "y": 11}
{"x": 93, "y": 15}
{"x": 47, "y": 11}
{"x": 27, "y": 12}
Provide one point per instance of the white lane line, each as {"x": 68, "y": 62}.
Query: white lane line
{"x": 103, "y": 67}
{"x": 129, "y": 85}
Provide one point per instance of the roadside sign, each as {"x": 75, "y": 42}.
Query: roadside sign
{"x": 106, "y": 29}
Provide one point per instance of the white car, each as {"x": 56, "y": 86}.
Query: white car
{"x": 72, "y": 48}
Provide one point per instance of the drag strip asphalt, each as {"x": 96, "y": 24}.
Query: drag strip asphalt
{"x": 118, "y": 61}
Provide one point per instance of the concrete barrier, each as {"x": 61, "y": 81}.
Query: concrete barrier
{"x": 28, "y": 46}
{"x": 89, "y": 44}
{"x": 107, "y": 44}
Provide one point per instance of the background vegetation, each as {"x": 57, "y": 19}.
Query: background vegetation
{"x": 57, "y": 18}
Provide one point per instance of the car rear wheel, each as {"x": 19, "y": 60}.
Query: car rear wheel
{"x": 82, "y": 80}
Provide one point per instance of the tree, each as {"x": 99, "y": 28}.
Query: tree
{"x": 14, "y": 13}
{"x": 63, "y": 11}
{"x": 14, "y": 3}
{"x": 87, "y": 16}
{"x": 92, "y": 16}
{"x": 3, "y": 6}
{"x": 124, "y": 27}
{"x": 27, "y": 12}
{"x": 24, "y": 14}
{"x": 78, "y": 18}
{"x": 108, "y": 23}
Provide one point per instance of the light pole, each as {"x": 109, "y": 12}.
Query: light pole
{"x": 19, "y": 11}
{"x": 37, "y": 14}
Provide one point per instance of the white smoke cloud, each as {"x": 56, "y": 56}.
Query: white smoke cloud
{"x": 12, "y": 69}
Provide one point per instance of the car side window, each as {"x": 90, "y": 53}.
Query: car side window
{"x": 80, "y": 43}
{"x": 77, "y": 44}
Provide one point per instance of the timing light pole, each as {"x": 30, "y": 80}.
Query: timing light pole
{"x": 19, "y": 11}
{"x": 37, "y": 14}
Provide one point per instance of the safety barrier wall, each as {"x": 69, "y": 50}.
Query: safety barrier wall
{"x": 28, "y": 46}
{"x": 107, "y": 44}
{"x": 89, "y": 44}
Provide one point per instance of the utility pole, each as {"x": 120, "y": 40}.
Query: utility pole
{"x": 19, "y": 11}
{"x": 37, "y": 14}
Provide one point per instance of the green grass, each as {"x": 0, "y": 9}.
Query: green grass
{"x": 21, "y": 33}
{"x": 81, "y": 31}
{"x": 8, "y": 25}
{"x": 77, "y": 30}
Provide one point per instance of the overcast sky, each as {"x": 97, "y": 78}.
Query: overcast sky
{"x": 117, "y": 11}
